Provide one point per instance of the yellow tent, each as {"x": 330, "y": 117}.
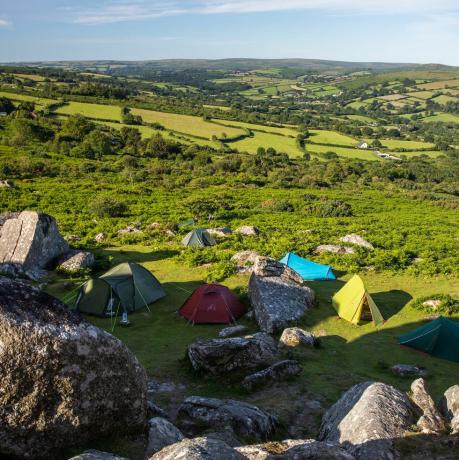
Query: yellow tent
{"x": 354, "y": 304}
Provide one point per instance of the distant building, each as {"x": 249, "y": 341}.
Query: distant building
{"x": 362, "y": 145}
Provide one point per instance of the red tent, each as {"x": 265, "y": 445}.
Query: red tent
{"x": 212, "y": 303}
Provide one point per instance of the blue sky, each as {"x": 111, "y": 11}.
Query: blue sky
{"x": 354, "y": 30}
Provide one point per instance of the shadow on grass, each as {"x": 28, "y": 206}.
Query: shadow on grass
{"x": 122, "y": 255}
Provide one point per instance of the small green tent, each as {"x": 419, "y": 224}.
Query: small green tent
{"x": 354, "y": 304}
{"x": 198, "y": 238}
{"x": 439, "y": 338}
{"x": 125, "y": 288}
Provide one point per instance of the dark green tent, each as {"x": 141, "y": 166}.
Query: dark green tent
{"x": 439, "y": 338}
{"x": 198, "y": 237}
{"x": 125, "y": 288}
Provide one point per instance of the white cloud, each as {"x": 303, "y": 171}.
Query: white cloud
{"x": 135, "y": 10}
{"x": 4, "y": 24}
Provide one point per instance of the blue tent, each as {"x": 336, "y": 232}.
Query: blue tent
{"x": 307, "y": 269}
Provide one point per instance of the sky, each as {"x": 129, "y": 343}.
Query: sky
{"x": 424, "y": 31}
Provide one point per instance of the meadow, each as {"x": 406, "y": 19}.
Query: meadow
{"x": 96, "y": 111}
{"x": 266, "y": 140}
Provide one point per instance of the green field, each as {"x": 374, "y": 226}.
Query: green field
{"x": 442, "y": 117}
{"x": 187, "y": 124}
{"x": 98, "y": 111}
{"x": 344, "y": 152}
{"x": 402, "y": 144}
{"x": 285, "y": 131}
{"x": 331, "y": 137}
{"x": 41, "y": 101}
{"x": 280, "y": 143}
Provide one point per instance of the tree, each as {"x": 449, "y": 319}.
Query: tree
{"x": 76, "y": 127}
{"x": 106, "y": 206}
{"x": 6, "y": 105}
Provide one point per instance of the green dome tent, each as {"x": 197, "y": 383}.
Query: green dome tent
{"x": 439, "y": 338}
{"x": 125, "y": 288}
{"x": 198, "y": 238}
{"x": 354, "y": 303}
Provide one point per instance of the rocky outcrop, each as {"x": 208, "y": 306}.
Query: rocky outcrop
{"x": 269, "y": 267}
{"x": 431, "y": 420}
{"x": 161, "y": 434}
{"x": 408, "y": 370}
{"x": 30, "y": 239}
{"x": 198, "y": 449}
{"x": 153, "y": 410}
{"x": 100, "y": 238}
{"x": 335, "y": 249}
{"x": 6, "y": 183}
{"x": 221, "y": 356}
{"x": 245, "y": 260}
{"x": 449, "y": 406}
{"x": 282, "y": 370}
{"x": 75, "y": 261}
{"x": 221, "y": 232}
{"x": 18, "y": 271}
{"x": 295, "y": 336}
{"x": 276, "y": 301}
{"x": 232, "y": 330}
{"x": 63, "y": 381}
{"x": 248, "y": 230}
{"x": 198, "y": 414}
{"x": 97, "y": 455}
{"x": 357, "y": 240}
{"x": 367, "y": 418}
{"x": 295, "y": 449}
{"x": 129, "y": 229}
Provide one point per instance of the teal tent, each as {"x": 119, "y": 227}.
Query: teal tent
{"x": 125, "y": 288}
{"x": 307, "y": 269}
{"x": 439, "y": 338}
{"x": 198, "y": 238}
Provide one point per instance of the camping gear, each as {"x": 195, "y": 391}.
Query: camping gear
{"x": 307, "y": 269}
{"x": 212, "y": 304}
{"x": 198, "y": 237}
{"x": 125, "y": 288}
{"x": 439, "y": 338}
{"x": 354, "y": 304}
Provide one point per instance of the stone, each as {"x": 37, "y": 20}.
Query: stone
{"x": 222, "y": 232}
{"x": 357, "y": 240}
{"x": 408, "y": 370}
{"x": 198, "y": 449}
{"x": 432, "y": 303}
{"x": 335, "y": 249}
{"x": 30, "y": 239}
{"x": 72, "y": 238}
{"x": 97, "y": 455}
{"x": 449, "y": 406}
{"x": 63, "y": 381}
{"x": 367, "y": 419}
{"x": 221, "y": 356}
{"x": 6, "y": 183}
{"x": 154, "y": 386}
{"x": 75, "y": 261}
{"x": 161, "y": 433}
{"x": 431, "y": 420}
{"x": 245, "y": 260}
{"x": 128, "y": 229}
{"x": 295, "y": 449}
{"x": 279, "y": 371}
{"x": 277, "y": 302}
{"x": 269, "y": 267}
{"x": 232, "y": 330}
{"x": 248, "y": 230}
{"x": 100, "y": 237}
{"x": 226, "y": 436}
{"x": 153, "y": 410}
{"x": 197, "y": 414}
{"x": 295, "y": 336}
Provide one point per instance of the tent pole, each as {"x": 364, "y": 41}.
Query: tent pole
{"x": 143, "y": 298}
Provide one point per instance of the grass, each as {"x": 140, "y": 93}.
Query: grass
{"x": 403, "y": 144}
{"x": 362, "y": 118}
{"x": 331, "y": 137}
{"x": 442, "y": 117}
{"x": 42, "y": 101}
{"x": 345, "y": 152}
{"x": 440, "y": 84}
{"x": 256, "y": 127}
{"x": 187, "y": 124}
{"x": 98, "y": 111}
{"x": 266, "y": 140}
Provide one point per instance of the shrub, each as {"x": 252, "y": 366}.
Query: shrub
{"x": 220, "y": 271}
{"x": 106, "y": 206}
{"x": 446, "y": 305}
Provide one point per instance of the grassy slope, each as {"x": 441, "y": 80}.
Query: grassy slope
{"x": 105, "y": 112}
{"x": 280, "y": 143}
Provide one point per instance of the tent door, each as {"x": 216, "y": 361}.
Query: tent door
{"x": 366, "y": 312}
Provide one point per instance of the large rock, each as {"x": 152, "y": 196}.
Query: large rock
{"x": 295, "y": 449}
{"x": 198, "y": 449}
{"x": 335, "y": 249}
{"x": 97, "y": 455}
{"x": 367, "y": 418}
{"x": 75, "y": 260}
{"x": 269, "y": 267}
{"x": 248, "y": 230}
{"x": 245, "y": 261}
{"x": 31, "y": 240}
{"x": 282, "y": 370}
{"x": 221, "y": 232}
{"x": 232, "y": 330}
{"x": 276, "y": 302}
{"x": 222, "y": 356}
{"x": 357, "y": 240}
{"x": 63, "y": 381}
{"x": 197, "y": 414}
{"x": 449, "y": 406}
{"x": 161, "y": 434}
{"x": 408, "y": 370}
{"x": 431, "y": 420}
{"x": 295, "y": 336}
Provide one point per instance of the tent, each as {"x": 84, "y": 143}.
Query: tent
{"x": 439, "y": 338}
{"x": 354, "y": 304}
{"x": 198, "y": 238}
{"x": 125, "y": 288}
{"x": 307, "y": 269}
{"x": 212, "y": 303}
